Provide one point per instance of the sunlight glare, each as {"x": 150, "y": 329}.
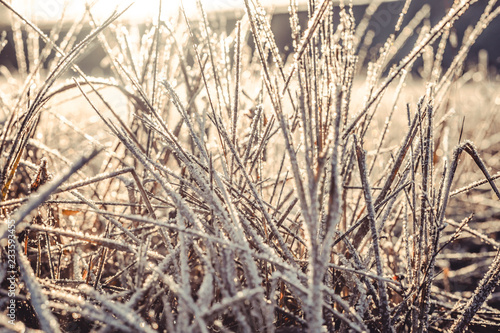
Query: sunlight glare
{"x": 51, "y": 10}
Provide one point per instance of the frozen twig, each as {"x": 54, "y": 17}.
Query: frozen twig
{"x": 384, "y": 305}
{"x": 39, "y": 300}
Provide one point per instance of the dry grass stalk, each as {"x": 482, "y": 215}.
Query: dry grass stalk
{"x": 236, "y": 197}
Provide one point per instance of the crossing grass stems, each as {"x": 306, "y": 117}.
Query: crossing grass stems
{"x": 240, "y": 192}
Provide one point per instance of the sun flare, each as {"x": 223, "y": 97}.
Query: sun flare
{"x": 53, "y": 10}
{"x": 48, "y": 11}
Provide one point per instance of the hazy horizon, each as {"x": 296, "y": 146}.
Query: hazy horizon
{"x": 51, "y": 10}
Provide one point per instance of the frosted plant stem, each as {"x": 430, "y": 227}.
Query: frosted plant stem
{"x": 39, "y": 300}
{"x": 437, "y": 30}
{"x": 384, "y": 304}
{"x": 485, "y": 288}
{"x": 112, "y": 220}
{"x": 46, "y": 190}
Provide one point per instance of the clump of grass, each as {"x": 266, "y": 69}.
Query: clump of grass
{"x": 241, "y": 193}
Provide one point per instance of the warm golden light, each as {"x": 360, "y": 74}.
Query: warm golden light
{"x": 51, "y": 10}
{"x": 46, "y": 11}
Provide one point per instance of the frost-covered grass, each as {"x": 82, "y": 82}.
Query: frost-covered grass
{"x": 206, "y": 187}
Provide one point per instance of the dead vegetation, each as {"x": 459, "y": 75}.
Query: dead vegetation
{"x": 234, "y": 192}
